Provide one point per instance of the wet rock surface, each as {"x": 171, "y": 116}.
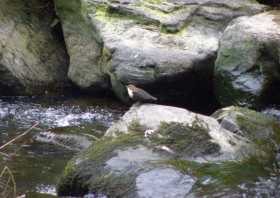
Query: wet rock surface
{"x": 247, "y": 67}
{"x": 165, "y": 182}
{"x": 165, "y": 151}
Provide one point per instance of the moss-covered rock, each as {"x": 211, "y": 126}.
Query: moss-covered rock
{"x": 109, "y": 167}
{"x": 224, "y": 178}
{"x": 260, "y": 129}
{"x": 175, "y": 156}
{"x": 188, "y": 129}
{"x": 247, "y": 66}
{"x": 73, "y": 138}
{"x": 33, "y": 56}
{"x": 189, "y": 140}
{"x": 119, "y": 88}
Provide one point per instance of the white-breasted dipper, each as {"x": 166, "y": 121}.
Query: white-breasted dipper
{"x": 139, "y": 95}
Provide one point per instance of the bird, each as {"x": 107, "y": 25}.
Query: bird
{"x": 139, "y": 95}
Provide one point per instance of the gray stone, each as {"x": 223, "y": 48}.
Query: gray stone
{"x": 32, "y": 59}
{"x": 72, "y": 142}
{"x": 145, "y": 42}
{"x": 142, "y": 161}
{"x": 163, "y": 183}
{"x": 131, "y": 159}
{"x": 254, "y": 126}
{"x": 150, "y": 117}
{"x": 83, "y": 44}
{"x": 247, "y": 66}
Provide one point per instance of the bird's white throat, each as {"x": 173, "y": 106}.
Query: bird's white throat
{"x": 130, "y": 92}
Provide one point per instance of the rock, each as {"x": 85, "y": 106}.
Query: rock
{"x": 123, "y": 167}
{"x": 72, "y": 142}
{"x": 260, "y": 129}
{"x": 229, "y": 141}
{"x": 169, "y": 44}
{"x": 83, "y": 44}
{"x": 162, "y": 151}
{"x": 247, "y": 67}
{"x": 275, "y": 112}
{"x": 33, "y": 58}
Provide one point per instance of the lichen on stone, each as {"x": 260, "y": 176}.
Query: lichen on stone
{"x": 225, "y": 173}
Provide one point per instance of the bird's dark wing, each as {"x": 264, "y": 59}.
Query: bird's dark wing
{"x": 141, "y": 95}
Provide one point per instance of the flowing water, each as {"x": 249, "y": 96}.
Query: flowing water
{"x": 37, "y": 159}
{"x": 65, "y": 127}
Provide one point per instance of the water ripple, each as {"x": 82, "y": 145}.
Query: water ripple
{"x": 24, "y": 114}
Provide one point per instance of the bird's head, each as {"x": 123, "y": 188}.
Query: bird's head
{"x": 131, "y": 87}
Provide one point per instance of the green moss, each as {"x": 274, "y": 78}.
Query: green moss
{"x": 100, "y": 10}
{"x": 167, "y": 29}
{"x": 276, "y": 130}
{"x": 192, "y": 140}
{"x": 109, "y": 14}
{"x": 38, "y": 195}
{"x": 114, "y": 185}
{"x": 135, "y": 126}
{"x": 155, "y": 12}
{"x": 139, "y": 19}
{"x": 84, "y": 172}
{"x": 105, "y": 60}
{"x": 260, "y": 128}
{"x": 178, "y": 29}
{"x": 228, "y": 95}
{"x": 229, "y": 61}
{"x": 154, "y": 1}
{"x": 119, "y": 88}
{"x": 106, "y": 54}
{"x": 106, "y": 145}
{"x": 226, "y": 173}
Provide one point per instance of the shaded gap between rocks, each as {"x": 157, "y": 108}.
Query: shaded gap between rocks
{"x": 197, "y": 96}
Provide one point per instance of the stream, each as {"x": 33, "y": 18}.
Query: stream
{"x": 38, "y": 159}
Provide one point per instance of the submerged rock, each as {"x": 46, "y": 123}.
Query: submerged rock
{"x": 162, "y": 151}
{"x": 33, "y": 58}
{"x": 171, "y": 44}
{"x": 247, "y": 67}
{"x": 71, "y": 142}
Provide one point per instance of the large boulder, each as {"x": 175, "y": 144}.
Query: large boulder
{"x": 162, "y": 151}
{"x": 247, "y": 70}
{"x": 168, "y": 43}
{"x": 83, "y": 44}
{"x": 33, "y": 58}
{"x": 261, "y": 129}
